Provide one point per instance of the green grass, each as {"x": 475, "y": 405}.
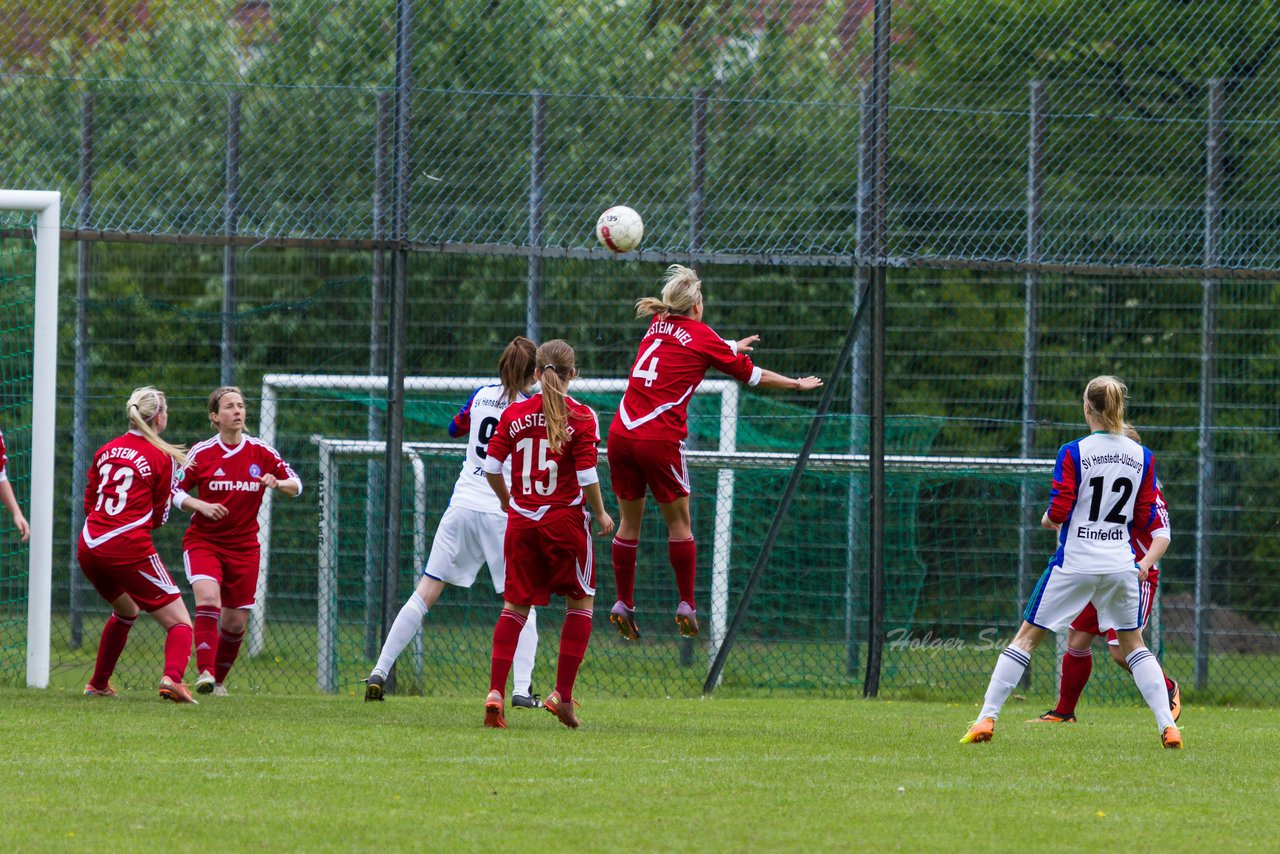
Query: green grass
{"x": 334, "y": 773}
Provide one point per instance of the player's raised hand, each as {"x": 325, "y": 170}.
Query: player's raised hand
{"x": 269, "y": 481}
{"x": 808, "y": 383}
{"x": 744, "y": 344}
{"x": 604, "y": 524}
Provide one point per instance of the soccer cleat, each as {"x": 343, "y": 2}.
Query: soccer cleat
{"x": 219, "y": 690}
{"x": 563, "y": 711}
{"x": 493, "y": 716}
{"x": 1175, "y": 700}
{"x": 109, "y": 691}
{"x": 205, "y": 682}
{"x": 625, "y": 619}
{"x": 1053, "y": 717}
{"x": 1171, "y": 738}
{"x": 687, "y": 620}
{"x": 526, "y": 701}
{"x": 981, "y": 731}
{"x": 175, "y": 691}
{"x": 373, "y": 688}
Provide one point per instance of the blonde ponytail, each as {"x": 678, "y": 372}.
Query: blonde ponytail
{"x": 1105, "y": 396}
{"x": 556, "y": 360}
{"x": 681, "y": 293}
{"x": 144, "y": 405}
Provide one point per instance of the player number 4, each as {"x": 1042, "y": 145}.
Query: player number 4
{"x": 650, "y": 373}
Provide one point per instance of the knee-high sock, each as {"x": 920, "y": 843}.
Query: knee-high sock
{"x": 573, "y": 646}
{"x": 522, "y": 664}
{"x": 684, "y": 560}
{"x": 177, "y": 651}
{"x": 1150, "y": 681}
{"x": 506, "y": 635}
{"x": 115, "y": 634}
{"x": 403, "y": 630}
{"x": 1013, "y": 662}
{"x": 624, "y": 569}
{"x": 228, "y": 649}
{"x": 1077, "y": 664}
{"x": 206, "y": 635}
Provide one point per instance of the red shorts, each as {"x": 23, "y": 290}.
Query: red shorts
{"x": 555, "y": 557}
{"x": 234, "y": 571}
{"x": 638, "y": 463}
{"x": 145, "y": 579}
{"x": 1088, "y": 619}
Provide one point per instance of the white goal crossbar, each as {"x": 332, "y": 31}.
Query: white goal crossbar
{"x": 269, "y": 412}
{"x": 47, "y": 207}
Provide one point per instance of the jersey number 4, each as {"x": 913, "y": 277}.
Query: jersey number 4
{"x": 650, "y": 373}
{"x": 552, "y": 469}
{"x": 119, "y": 477}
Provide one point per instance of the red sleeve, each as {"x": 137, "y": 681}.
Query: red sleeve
{"x": 461, "y": 423}
{"x": 277, "y": 466}
{"x": 499, "y": 447}
{"x": 162, "y": 493}
{"x": 1066, "y": 479}
{"x": 586, "y": 438}
{"x": 91, "y": 490}
{"x": 1144, "y": 509}
{"x": 721, "y": 356}
{"x": 4, "y": 454}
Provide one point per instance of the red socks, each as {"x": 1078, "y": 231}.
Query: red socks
{"x": 228, "y": 649}
{"x": 177, "y": 651}
{"x": 573, "y": 646}
{"x": 624, "y": 569}
{"x": 506, "y": 634}
{"x": 1077, "y": 664}
{"x": 684, "y": 560}
{"x": 115, "y": 634}
{"x": 206, "y": 634}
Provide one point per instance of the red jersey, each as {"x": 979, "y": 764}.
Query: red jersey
{"x": 130, "y": 484}
{"x": 230, "y": 476}
{"x": 1146, "y": 530}
{"x": 545, "y": 486}
{"x": 674, "y": 357}
{"x": 4, "y": 459}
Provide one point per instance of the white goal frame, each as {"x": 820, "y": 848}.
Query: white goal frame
{"x": 268, "y": 414}
{"x": 47, "y": 206}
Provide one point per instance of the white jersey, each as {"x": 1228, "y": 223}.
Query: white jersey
{"x": 478, "y": 419}
{"x": 1102, "y": 485}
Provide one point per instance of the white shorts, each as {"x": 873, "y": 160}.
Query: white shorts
{"x": 1061, "y": 595}
{"x": 464, "y": 540}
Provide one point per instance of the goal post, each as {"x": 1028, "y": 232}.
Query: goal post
{"x": 47, "y": 206}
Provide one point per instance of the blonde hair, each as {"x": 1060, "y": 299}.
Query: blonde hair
{"x": 144, "y": 405}
{"x": 215, "y": 399}
{"x": 515, "y": 366}
{"x": 681, "y": 293}
{"x": 557, "y": 362}
{"x": 1105, "y": 396}
{"x": 1131, "y": 432}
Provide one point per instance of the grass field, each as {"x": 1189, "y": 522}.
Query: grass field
{"x": 334, "y": 773}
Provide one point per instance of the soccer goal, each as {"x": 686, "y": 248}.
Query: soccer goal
{"x": 29, "y": 233}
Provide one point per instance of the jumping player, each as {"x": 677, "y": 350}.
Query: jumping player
{"x": 646, "y": 439}
{"x": 220, "y": 550}
{"x": 551, "y": 441}
{"x": 1077, "y": 662}
{"x": 130, "y": 485}
{"x": 7, "y": 497}
{"x": 472, "y": 528}
{"x": 1102, "y": 483}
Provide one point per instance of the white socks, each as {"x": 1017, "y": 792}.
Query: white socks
{"x": 1150, "y": 680}
{"x": 522, "y": 664}
{"x": 1013, "y": 662}
{"x": 407, "y": 623}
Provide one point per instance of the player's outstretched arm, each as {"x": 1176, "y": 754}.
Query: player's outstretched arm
{"x": 11, "y": 503}
{"x": 768, "y": 379}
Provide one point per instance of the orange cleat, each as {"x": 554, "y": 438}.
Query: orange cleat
{"x": 686, "y": 620}
{"x": 624, "y": 619}
{"x": 493, "y": 716}
{"x": 1052, "y": 717}
{"x": 1175, "y": 700}
{"x": 1171, "y": 738}
{"x": 980, "y": 731}
{"x": 175, "y": 691}
{"x": 109, "y": 691}
{"x": 564, "y": 712}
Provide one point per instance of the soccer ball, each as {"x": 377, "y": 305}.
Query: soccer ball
{"x": 619, "y": 229}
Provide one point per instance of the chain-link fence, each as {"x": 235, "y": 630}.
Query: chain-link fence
{"x": 1065, "y": 194}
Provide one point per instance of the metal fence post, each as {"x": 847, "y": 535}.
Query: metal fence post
{"x": 724, "y": 477}
{"x": 1208, "y": 351}
{"x": 377, "y": 367}
{"x": 80, "y": 406}
{"x": 397, "y": 326}
{"x": 1031, "y": 294}
{"x": 231, "y": 226}
{"x": 537, "y": 193}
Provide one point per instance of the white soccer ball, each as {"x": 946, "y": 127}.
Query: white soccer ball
{"x": 619, "y": 229}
